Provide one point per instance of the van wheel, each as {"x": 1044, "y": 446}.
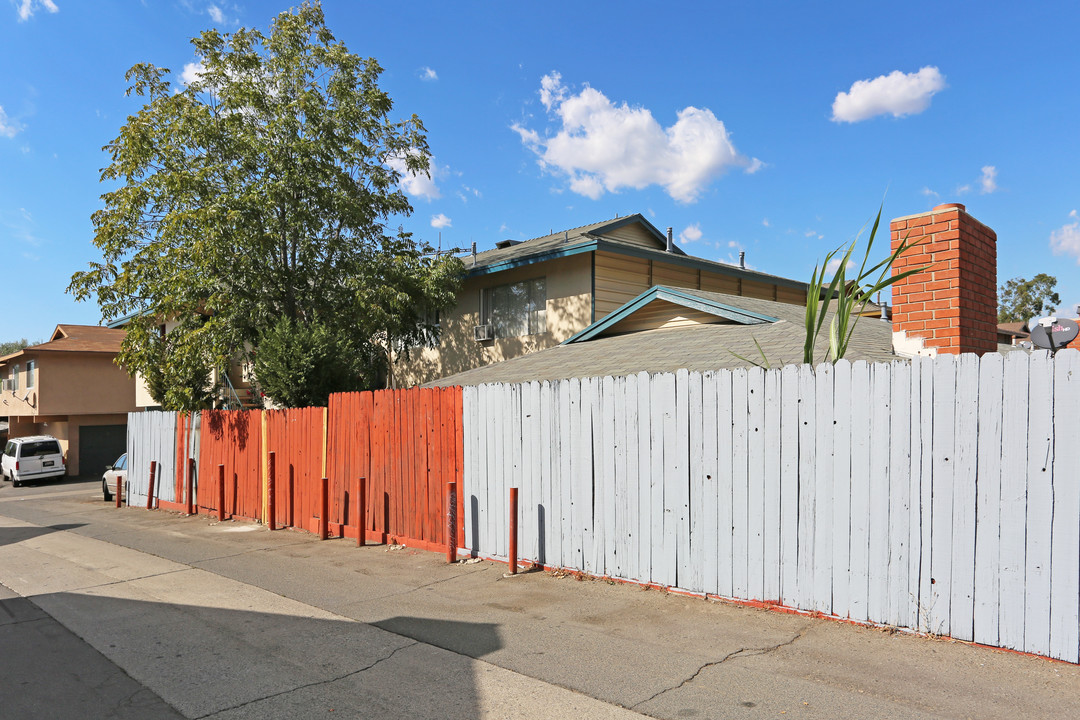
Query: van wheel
{"x": 15, "y": 482}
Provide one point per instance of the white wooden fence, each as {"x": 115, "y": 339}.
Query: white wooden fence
{"x": 941, "y": 495}
{"x": 152, "y": 437}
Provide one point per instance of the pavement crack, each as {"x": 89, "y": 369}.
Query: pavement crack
{"x": 426, "y": 585}
{"x": 741, "y": 652}
{"x": 317, "y": 683}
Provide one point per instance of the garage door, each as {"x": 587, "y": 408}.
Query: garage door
{"x": 99, "y": 446}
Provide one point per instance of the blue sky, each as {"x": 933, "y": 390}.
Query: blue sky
{"x": 774, "y": 128}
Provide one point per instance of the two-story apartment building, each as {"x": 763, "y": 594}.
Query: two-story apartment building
{"x": 526, "y": 296}
{"x": 71, "y": 388}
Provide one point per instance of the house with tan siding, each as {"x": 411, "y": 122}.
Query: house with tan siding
{"x": 526, "y": 296}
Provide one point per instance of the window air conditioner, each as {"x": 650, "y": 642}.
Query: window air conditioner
{"x": 483, "y": 332}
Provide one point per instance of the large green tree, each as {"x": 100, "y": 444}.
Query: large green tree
{"x": 1020, "y": 300}
{"x": 263, "y": 191}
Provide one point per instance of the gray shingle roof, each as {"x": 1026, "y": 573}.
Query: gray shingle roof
{"x": 697, "y": 347}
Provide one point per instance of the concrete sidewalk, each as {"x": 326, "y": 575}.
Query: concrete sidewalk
{"x": 222, "y": 620}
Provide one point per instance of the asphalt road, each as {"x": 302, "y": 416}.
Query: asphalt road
{"x": 128, "y": 613}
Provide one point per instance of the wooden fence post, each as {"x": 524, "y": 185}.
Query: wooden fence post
{"x": 150, "y": 490}
{"x": 512, "y": 559}
{"x": 221, "y": 492}
{"x": 451, "y": 522}
{"x": 271, "y": 505}
{"x": 191, "y": 486}
{"x": 361, "y": 511}
{"x": 324, "y": 504}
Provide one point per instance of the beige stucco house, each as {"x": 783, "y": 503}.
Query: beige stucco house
{"x": 71, "y": 388}
{"x": 522, "y": 297}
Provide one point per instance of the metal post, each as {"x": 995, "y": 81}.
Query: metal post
{"x": 451, "y": 522}
{"x": 221, "y": 492}
{"x": 324, "y": 503}
{"x": 119, "y": 486}
{"x": 513, "y": 530}
{"x": 361, "y": 511}
{"x": 271, "y": 505}
{"x": 150, "y": 490}
{"x": 191, "y": 486}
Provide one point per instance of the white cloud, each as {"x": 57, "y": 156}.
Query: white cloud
{"x": 988, "y": 181}
{"x": 603, "y": 147}
{"x": 428, "y": 74}
{"x": 897, "y": 93}
{"x": 692, "y": 233}
{"x": 421, "y": 185}
{"x": 834, "y": 265}
{"x": 192, "y": 72}
{"x": 765, "y": 222}
{"x": 8, "y": 127}
{"x": 440, "y": 221}
{"x": 1066, "y": 239}
{"x": 27, "y": 8}
{"x": 930, "y": 193}
{"x": 754, "y": 166}
{"x": 215, "y": 14}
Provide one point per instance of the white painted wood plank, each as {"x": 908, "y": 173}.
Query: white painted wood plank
{"x": 755, "y": 475}
{"x": 771, "y": 527}
{"x": 691, "y": 569}
{"x": 646, "y": 477}
{"x": 617, "y": 533}
{"x": 676, "y": 459}
{"x": 530, "y": 476}
{"x": 1064, "y": 568}
{"x": 663, "y": 426}
{"x": 807, "y": 484}
{"x": 725, "y": 457}
{"x": 739, "y": 485}
{"x": 965, "y": 472}
{"x": 925, "y": 368}
{"x": 943, "y": 478}
{"x": 548, "y": 455}
{"x": 680, "y": 488}
{"x": 606, "y": 496}
{"x": 569, "y": 424}
{"x": 583, "y": 475}
{"x": 877, "y": 593}
{"x": 517, "y": 476}
{"x": 988, "y": 499}
{"x": 554, "y": 515}
{"x": 900, "y": 593}
{"x": 859, "y": 522}
{"x": 470, "y": 476}
{"x": 789, "y": 485}
{"x": 1013, "y": 557}
{"x": 823, "y": 505}
{"x": 1040, "y": 508}
{"x": 841, "y": 487}
{"x": 632, "y": 511}
{"x": 707, "y": 516}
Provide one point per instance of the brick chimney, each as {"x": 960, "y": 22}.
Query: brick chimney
{"x": 952, "y": 307}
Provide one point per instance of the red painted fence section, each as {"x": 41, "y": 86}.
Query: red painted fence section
{"x": 407, "y": 443}
{"x": 296, "y": 438}
{"x": 232, "y": 438}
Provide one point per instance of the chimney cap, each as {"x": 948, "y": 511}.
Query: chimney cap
{"x": 949, "y": 206}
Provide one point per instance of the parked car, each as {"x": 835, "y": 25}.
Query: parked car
{"x": 36, "y": 457}
{"x": 108, "y": 481}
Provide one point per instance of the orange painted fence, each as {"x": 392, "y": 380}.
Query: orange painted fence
{"x": 232, "y": 438}
{"x": 407, "y": 443}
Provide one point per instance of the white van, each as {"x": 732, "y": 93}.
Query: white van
{"x": 36, "y": 457}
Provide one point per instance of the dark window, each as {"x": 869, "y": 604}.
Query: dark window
{"x": 42, "y": 447}
{"x": 515, "y": 309}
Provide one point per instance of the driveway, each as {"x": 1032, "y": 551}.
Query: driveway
{"x": 224, "y": 620}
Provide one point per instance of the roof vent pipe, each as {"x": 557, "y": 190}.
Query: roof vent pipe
{"x": 742, "y": 259}
{"x": 670, "y": 241}
{"x": 474, "y": 253}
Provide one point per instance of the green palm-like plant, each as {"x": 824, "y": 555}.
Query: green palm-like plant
{"x": 850, "y": 296}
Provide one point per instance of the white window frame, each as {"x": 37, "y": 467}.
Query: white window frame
{"x": 30, "y": 365}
